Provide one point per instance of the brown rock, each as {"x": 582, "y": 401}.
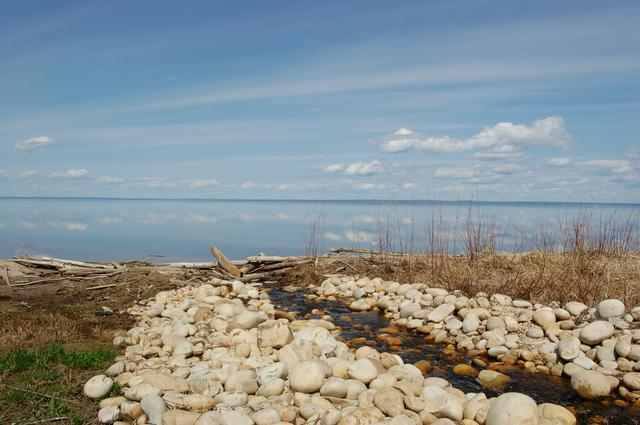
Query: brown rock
{"x": 465, "y": 370}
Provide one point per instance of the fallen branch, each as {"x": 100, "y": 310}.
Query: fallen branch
{"x": 227, "y": 265}
{"x": 5, "y": 276}
{"x": 263, "y": 275}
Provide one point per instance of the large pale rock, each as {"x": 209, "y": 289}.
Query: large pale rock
{"x": 227, "y": 417}
{"x": 569, "y": 348}
{"x": 590, "y": 384}
{"x": 610, "y": 308}
{"x": 307, "y": 377}
{"x": 334, "y": 387}
{"x": 243, "y": 380}
{"x": 364, "y": 370}
{"x": 179, "y": 417}
{"x": 98, "y": 386}
{"x": 575, "y": 308}
{"x": 596, "y": 332}
{"x": 246, "y": 320}
{"x": 267, "y": 416}
{"x": 359, "y": 305}
{"x": 109, "y": 414}
{"x": 319, "y": 337}
{"x": 441, "y": 404}
{"x": 271, "y": 388}
{"x": 274, "y": 333}
{"x": 164, "y": 381}
{"x": 470, "y": 323}
{"x": 544, "y": 317}
{"x": 632, "y": 380}
{"x": 512, "y": 409}
{"x": 389, "y": 401}
{"x": 441, "y": 312}
{"x": 272, "y": 371}
{"x": 556, "y": 414}
{"x": 191, "y": 402}
{"x": 154, "y": 407}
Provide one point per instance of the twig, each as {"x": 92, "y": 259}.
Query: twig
{"x": 42, "y": 421}
{"x": 93, "y": 288}
{"x": 40, "y": 394}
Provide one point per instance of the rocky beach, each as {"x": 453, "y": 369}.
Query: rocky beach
{"x": 221, "y": 352}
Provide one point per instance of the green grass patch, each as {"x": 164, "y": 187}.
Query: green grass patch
{"x": 55, "y": 354}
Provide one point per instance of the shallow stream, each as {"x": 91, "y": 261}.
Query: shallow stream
{"x": 542, "y": 388}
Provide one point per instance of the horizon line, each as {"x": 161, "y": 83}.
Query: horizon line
{"x": 368, "y": 200}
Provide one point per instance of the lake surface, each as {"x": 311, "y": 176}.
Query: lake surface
{"x": 121, "y": 230}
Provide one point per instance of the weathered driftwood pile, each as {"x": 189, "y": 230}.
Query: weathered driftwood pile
{"x": 26, "y": 271}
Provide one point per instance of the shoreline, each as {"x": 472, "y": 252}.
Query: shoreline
{"x": 399, "y": 314}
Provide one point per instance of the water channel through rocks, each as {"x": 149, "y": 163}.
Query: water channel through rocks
{"x": 542, "y": 388}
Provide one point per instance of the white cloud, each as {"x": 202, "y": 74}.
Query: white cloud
{"x": 28, "y": 173}
{"x": 247, "y": 185}
{"x": 559, "y": 162}
{"x": 158, "y": 182}
{"x": 73, "y": 173}
{"x": 548, "y": 131}
{"x": 332, "y": 236}
{"x": 363, "y": 168}
{"x": 333, "y": 168}
{"x": 198, "y": 184}
{"x": 457, "y": 173}
{"x": 397, "y": 145}
{"x": 109, "y": 220}
{"x": 367, "y": 186}
{"x": 200, "y": 218}
{"x": 109, "y": 180}
{"x": 403, "y": 132}
{"x": 615, "y": 165}
{"x": 70, "y": 225}
{"x": 34, "y": 143}
{"x": 409, "y": 185}
{"x": 505, "y": 169}
{"x": 360, "y": 237}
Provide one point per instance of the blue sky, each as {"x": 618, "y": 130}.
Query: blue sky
{"x": 496, "y": 100}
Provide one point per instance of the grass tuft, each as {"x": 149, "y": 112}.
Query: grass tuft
{"x": 54, "y": 354}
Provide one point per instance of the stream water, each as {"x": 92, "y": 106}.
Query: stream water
{"x": 542, "y": 388}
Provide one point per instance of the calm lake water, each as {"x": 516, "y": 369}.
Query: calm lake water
{"x": 119, "y": 230}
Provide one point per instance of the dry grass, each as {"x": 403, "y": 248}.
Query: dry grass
{"x": 537, "y": 276}
{"x": 584, "y": 257}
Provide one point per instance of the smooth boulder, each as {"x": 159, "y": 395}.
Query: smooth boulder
{"x": 512, "y": 409}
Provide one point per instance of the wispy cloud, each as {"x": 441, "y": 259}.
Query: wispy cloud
{"x": 333, "y": 168}
{"x": 73, "y": 173}
{"x": 615, "y": 165}
{"x": 559, "y": 162}
{"x": 198, "y": 184}
{"x": 28, "y": 174}
{"x": 550, "y": 131}
{"x": 363, "y": 168}
{"x": 109, "y": 180}
{"x": 34, "y": 143}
